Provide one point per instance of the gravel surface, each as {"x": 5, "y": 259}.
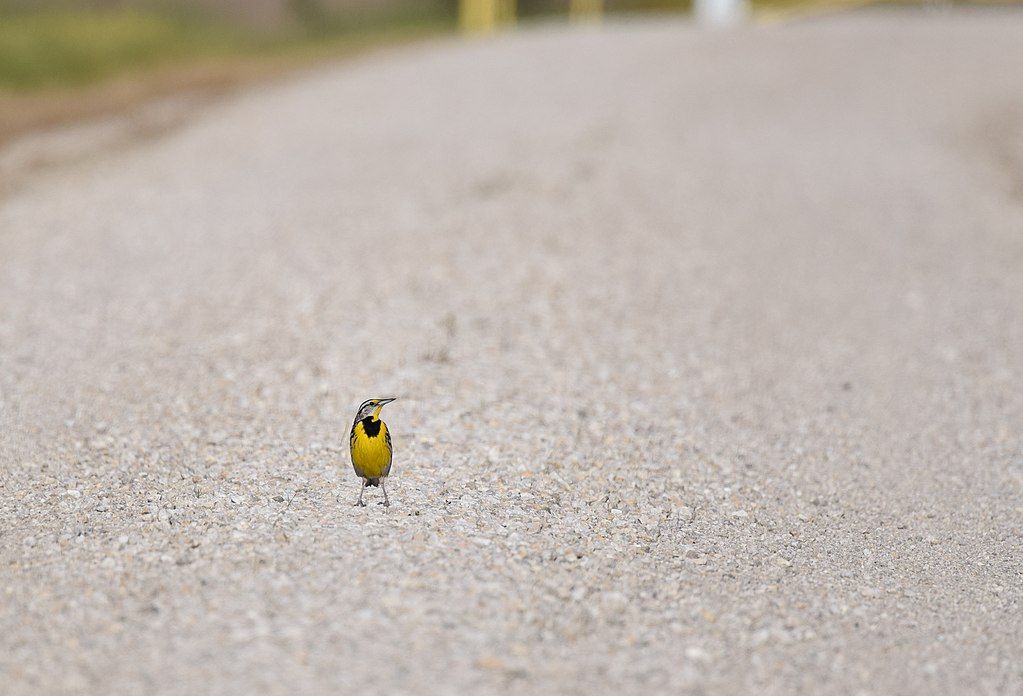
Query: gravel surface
{"x": 709, "y": 350}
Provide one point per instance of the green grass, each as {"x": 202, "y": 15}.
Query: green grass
{"x": 61, "y": 48}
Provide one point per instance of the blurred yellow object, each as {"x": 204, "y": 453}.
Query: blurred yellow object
{"x": 586, "y": 9}
{"x": 484, "y": 16}
{"x": 508, "y": 11}
{"x": 795, "y": 11}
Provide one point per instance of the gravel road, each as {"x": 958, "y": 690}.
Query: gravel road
{"x": 709, "y": 350}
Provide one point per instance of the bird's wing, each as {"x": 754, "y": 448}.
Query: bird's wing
{"x": 390, "y": 451}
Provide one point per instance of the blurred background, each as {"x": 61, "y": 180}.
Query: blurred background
{"x": 50, "y": 42}
{"x": 62, "y": 60}
{"x": 53, "y": 51}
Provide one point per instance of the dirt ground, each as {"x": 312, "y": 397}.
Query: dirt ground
{"x": 708, "y": 349}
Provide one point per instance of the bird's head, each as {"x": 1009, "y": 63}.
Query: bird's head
{"x": 371, "y": 408}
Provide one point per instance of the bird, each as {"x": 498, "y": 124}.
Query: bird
{"x": 370, "y": 444}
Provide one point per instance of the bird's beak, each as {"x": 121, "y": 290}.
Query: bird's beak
{"x": 387, "y": 401}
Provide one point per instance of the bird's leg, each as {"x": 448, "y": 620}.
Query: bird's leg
{"x": 387, "y": 503}
{"x": 359, "y": 503}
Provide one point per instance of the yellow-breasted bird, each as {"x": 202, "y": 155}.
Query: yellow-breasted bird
{"x": 371, "y": 447}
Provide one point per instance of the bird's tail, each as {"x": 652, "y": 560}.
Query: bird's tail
{"x": 372, "y": 482}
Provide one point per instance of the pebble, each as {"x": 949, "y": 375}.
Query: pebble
{"x": 490, "y": 662}
{"x": 614, "y": 602}
{"x": 697, "y": 654}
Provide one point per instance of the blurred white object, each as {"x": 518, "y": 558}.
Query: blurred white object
{"x": 720, "y": 13}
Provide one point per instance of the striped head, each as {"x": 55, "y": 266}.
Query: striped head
{"x": 371, "y": 409}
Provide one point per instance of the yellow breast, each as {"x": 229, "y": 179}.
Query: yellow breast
{"x": 371, "y": 456}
